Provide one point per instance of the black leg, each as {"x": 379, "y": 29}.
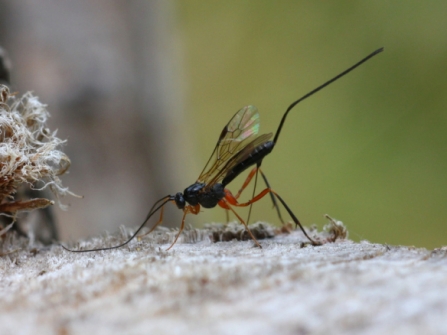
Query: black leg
{"x": 272, "y": 196}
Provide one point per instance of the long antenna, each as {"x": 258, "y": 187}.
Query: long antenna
{"x": 165, "y": 200}
{"x": 275, "y": 140}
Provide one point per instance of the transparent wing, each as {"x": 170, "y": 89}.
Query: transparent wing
{"x": 240, "y": 131}
{"x": 241, "y": 156}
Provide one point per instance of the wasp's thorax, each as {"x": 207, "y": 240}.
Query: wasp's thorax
{"x": 198, "y": 193}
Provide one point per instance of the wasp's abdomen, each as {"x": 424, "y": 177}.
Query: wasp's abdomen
{"x": 254, "y": 157}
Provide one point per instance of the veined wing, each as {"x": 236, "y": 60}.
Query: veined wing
{"x": 239, "y": 157}
{"x": 242, "y": 129}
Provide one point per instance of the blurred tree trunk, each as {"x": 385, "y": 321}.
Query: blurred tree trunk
{"x": 109, "y": 71}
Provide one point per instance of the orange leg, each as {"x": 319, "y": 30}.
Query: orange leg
{"x": 224, "y": 204}
{"x": 233, "y": 201}
{"x": 188, "y": 209}
{"x": 247, "y": 181}
{"x": 160, "y": 220}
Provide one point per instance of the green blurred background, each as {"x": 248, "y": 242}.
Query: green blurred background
{"x": 142, "y": 89}
{"x": 370, "y": 149}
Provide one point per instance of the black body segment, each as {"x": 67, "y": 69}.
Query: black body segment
{"x": 255, "y": 157}
{"x": 180, "y": 200}
{"x": 191, "y": 193}
{"x": 198, "y": 193}
{"x": 210, "y": 198}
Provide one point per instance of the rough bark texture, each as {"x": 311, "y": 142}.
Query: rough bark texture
{"x": 202, "y": 287}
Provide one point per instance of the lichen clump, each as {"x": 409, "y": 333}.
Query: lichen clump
{"x": 29, "y": 152}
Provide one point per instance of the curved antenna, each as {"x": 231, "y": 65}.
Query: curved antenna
{"x": 165, "y": 200}
{"x": 275, "y": 140}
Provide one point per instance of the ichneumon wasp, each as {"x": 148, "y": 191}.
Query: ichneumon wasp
{"x": 239, "y": 147}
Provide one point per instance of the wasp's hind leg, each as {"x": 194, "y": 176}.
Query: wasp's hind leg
{"x": 272, "y": 196}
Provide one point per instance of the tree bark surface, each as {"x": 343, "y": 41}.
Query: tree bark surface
{"x": 201, "y": 287}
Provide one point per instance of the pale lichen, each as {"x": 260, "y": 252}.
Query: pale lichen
{"x": 29, "y": 153}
